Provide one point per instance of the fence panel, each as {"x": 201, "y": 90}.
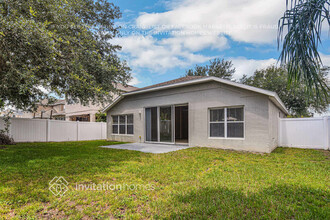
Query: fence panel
{"x": 305, "y": 132}
{"x": 26, "y": 130}
{"x": 90, "y": 131}
{"x": 42, "y": 130}
{"x": 62, "y": 131}
{"x": 104, "y": 130}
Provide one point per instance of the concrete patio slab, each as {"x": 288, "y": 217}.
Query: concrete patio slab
{"x": 148, "y": 148}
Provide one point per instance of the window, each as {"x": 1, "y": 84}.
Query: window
{"x": 227, "y": 122}
{"x": 129, "y": 125}
{"x": 60, "y": 118}
{"x": 217, "y": 123}
{"x": 122, "y": 124}
{"x": 115, "y": 124}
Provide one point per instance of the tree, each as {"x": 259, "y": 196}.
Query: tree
{"x": 303, "y": 21}
{"x": 276, "y": 79}
{"x": 61, "y": 48}
{"x": 219, "y": 68}
{"x": 101, "y": 117}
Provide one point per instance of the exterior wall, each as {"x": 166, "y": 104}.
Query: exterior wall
{"x": 77, "y": 109}
{"x": 200, "y": 98}
{"x": 274, "y": 119}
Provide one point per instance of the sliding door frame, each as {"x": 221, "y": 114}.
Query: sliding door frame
{"x": 158, "y": 122}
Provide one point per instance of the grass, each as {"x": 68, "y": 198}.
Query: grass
{"x": 197, "y": 183}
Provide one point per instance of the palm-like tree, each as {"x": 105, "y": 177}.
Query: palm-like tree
{"x": 299, "y": 31}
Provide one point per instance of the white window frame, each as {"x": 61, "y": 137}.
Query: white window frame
{"x": 118, "y": 124}
{"x": 226, "y": 123}
{"x": 129, "y": 124}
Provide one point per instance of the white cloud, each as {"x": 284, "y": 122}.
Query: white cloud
{"x": 134, "y": 81}
{"x": 195, "y": 25}
{"x": 253, "y": 21}
{"x": 198, "y": 42}
{"x": 325, "y": 59}
{"x": 249, "y": 66}
{"x": 148, "y": 52}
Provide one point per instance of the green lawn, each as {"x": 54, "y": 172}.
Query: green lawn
{"x": 193, "y": 183}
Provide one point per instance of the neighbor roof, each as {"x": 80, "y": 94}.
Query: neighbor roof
{"x": 126, "y": 88}
{"x": 190, "y": 80}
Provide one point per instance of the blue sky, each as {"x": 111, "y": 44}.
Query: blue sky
{"x": 162, "y": 39}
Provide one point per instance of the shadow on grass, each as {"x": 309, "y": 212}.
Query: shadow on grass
{"x": 276, "y": 202}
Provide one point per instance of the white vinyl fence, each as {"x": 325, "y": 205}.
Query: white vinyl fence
{"x": 43, "y": 130}
{"x": 311, "y": 133}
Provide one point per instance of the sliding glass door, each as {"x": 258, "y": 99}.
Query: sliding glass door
{"x": 152, "y": 124}
{"x": 159, "y": 124}
{"x": 165, "y": 128}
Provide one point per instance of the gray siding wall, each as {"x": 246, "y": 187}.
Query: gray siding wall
{"x": 274, "y": 114}
{"x": 200, "y": 98}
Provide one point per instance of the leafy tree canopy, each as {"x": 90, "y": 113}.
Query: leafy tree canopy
{"x": 295, "y": 98}
{"x": 219, "y": 68}
{"x": 58, "y": 47}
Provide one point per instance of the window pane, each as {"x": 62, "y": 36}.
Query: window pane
{"x": 217, "y": 115}
{"x": 165, "y": 126}
{"x": 129, "y": 119}
{"x": 122, "y": 119}
{"x": 217, "y": 130}
{"x": 115, "y": 129}
{"x": 115, "y": 119}
{"x": 121, "y": 129}
{"x": 129, "y": 129}
{"x": 235, "y": 114}
{"x": 235, "y": 130}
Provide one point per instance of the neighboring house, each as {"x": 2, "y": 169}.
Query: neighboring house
{"x": 12, "y": 113}
{"x": 62, "y": 110}
{"x": 198, "y": 111}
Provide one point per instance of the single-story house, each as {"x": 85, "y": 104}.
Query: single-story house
{"x": 198, "y": 111}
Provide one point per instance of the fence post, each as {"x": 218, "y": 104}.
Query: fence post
{"x": 101, "y": 130}
{"x": 326, "y": 130}
{"x": 77, "y": 130}
{"x": 10, "y": 128}
{"x": 279, "y": 130}
{"x": 47, "y": 130}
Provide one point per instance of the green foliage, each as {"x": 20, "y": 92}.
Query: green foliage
{"x": 59, "y": 46}
{"x": 303, "y": 23}
{"x": 7, "y": 122}
{"x": 5, "y": 140}
{"x": 295, "y": 99}
{"x": 101, "y": 117}
{"x": 195, "y": 183}
{"x": 219, "y": 68}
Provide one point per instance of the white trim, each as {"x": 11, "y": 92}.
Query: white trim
{"x": 158, "y": 123}
{"x": 126, "y": 135}
{"x": 272, "y": 95}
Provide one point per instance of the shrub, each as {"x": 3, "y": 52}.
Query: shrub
{"x": 5, "y": 139}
